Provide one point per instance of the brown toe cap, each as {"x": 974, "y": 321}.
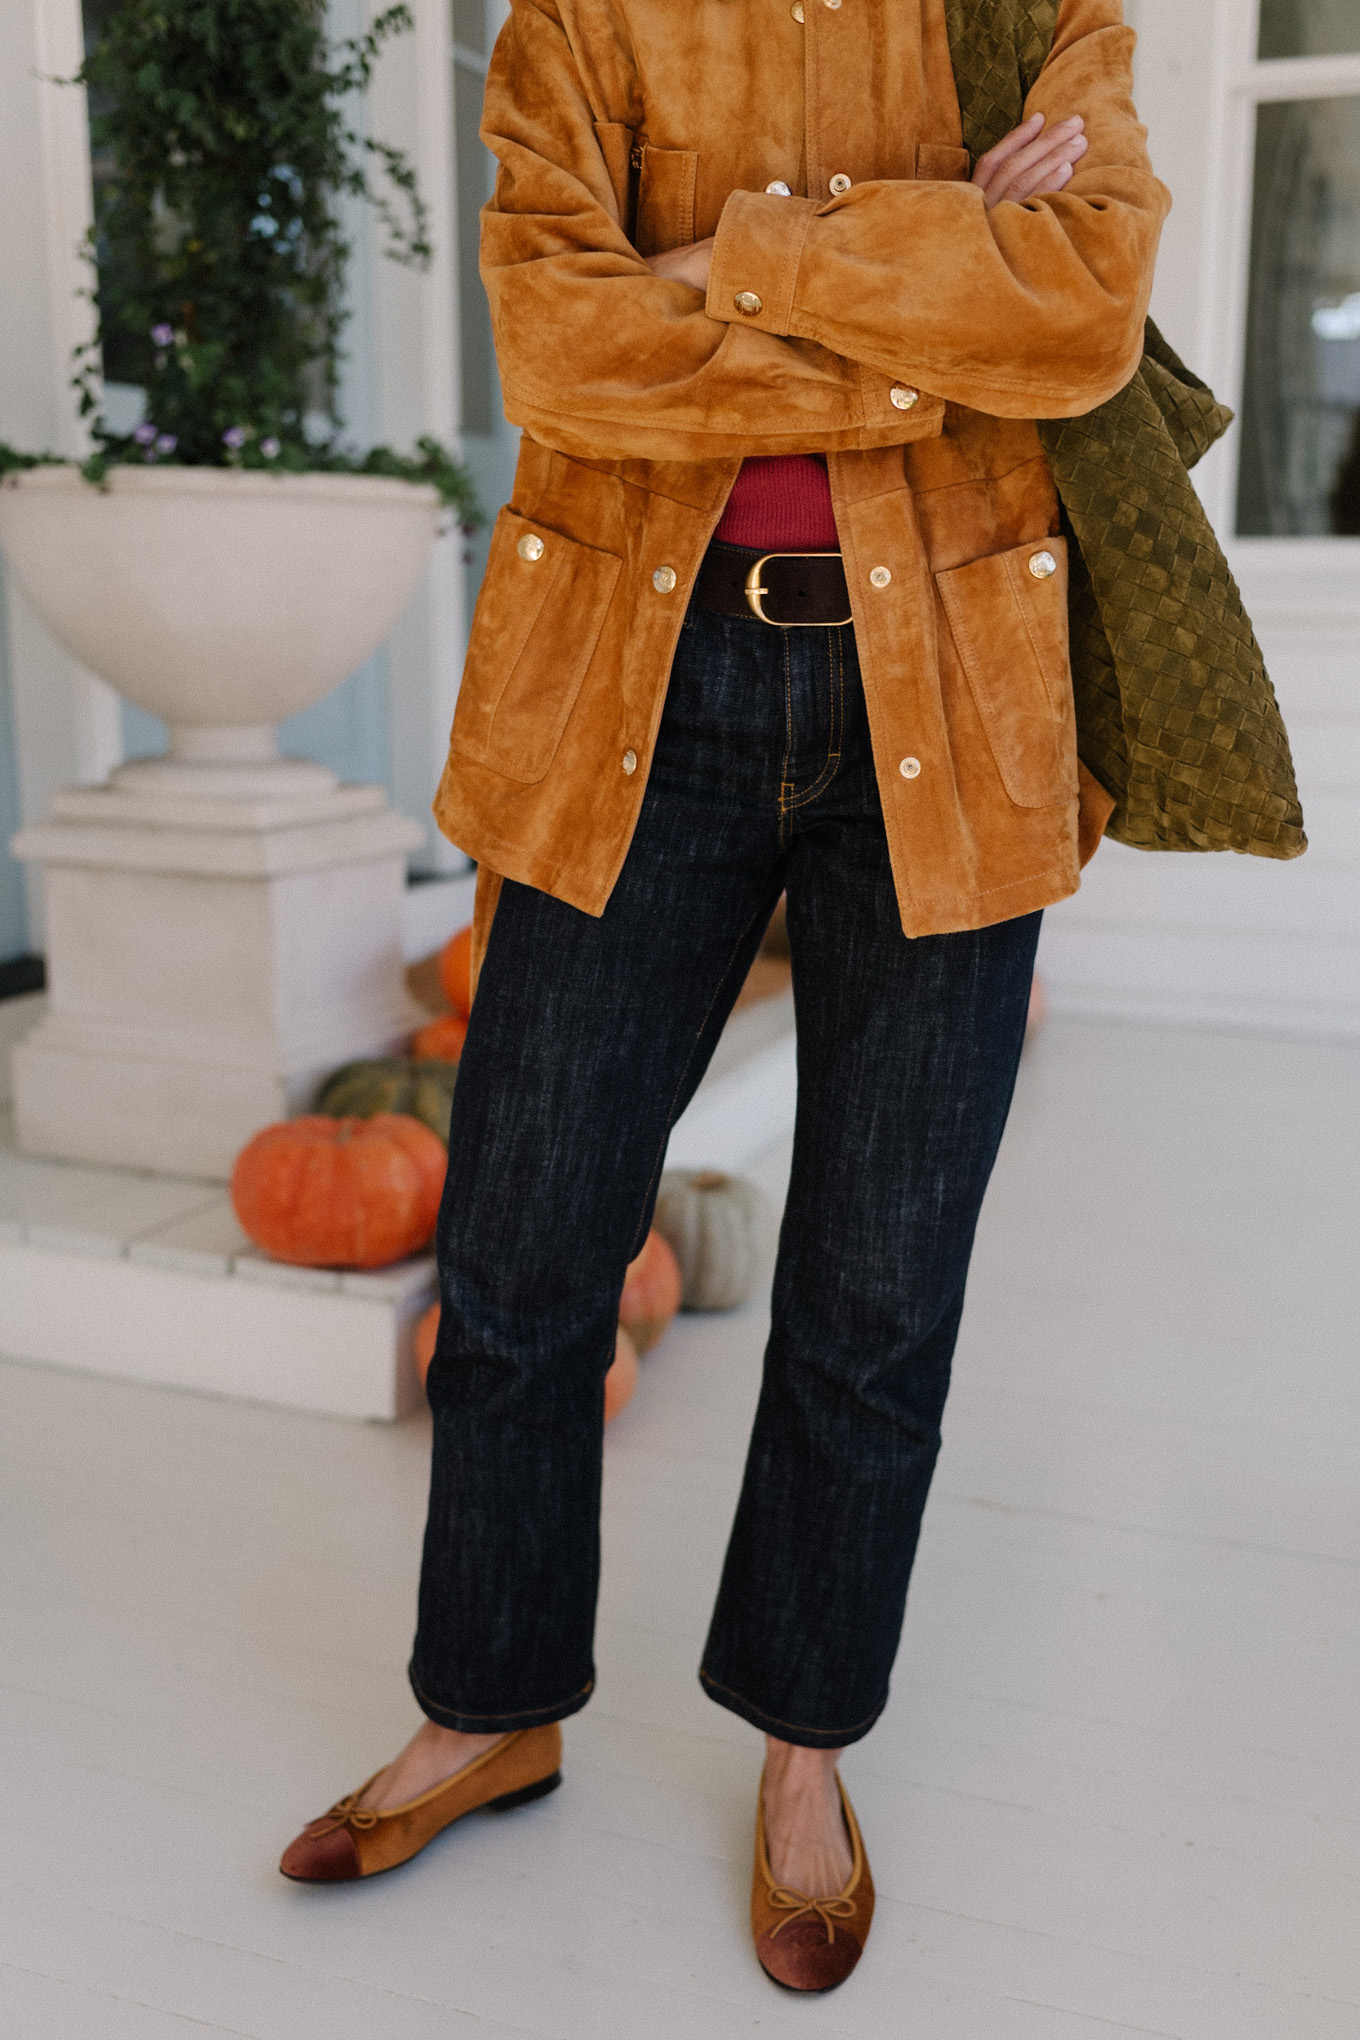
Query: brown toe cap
{"x": 322, "y": 1854}
{"x": 801, "y": 1957}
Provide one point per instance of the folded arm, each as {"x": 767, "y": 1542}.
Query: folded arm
{"x": 599, "y": 356}
{"x": 1022, "y": 309}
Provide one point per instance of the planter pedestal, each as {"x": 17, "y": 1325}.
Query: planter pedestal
{"x": 217, "y": 940}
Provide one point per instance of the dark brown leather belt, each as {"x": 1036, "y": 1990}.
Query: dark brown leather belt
{"x": 790, "y": 590}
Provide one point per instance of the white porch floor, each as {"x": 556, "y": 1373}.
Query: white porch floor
{"x": 1118, "y": 1787}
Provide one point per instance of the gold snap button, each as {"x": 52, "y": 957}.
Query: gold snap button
{"x": 1042, "y": 564}
{"x": 833, "y": 4}
{"x": 630, "y": 762}
{"x": 530, "y": 547}
{"x": 910, "y": 768}
{"x": 903, "y": 399}
{"x": 880, "y": 577}
{"x": 747, "y": 303}
{"x": 779, "y": 189}
{"x": 839, "y": 183}
{"x": 663, "y": 580}
{"x": 797, "y": 10}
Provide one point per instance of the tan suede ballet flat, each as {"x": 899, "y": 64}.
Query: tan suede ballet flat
{"x": 804, "y": 1943}
{"x": 352, "y": 1841}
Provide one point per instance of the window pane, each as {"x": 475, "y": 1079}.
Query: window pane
{"x": 1309, "y": 28}
{"x": 1300, "y": 471}
{"x": 469, "y": 25}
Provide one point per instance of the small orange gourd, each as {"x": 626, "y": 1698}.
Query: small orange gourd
{"x": 651, "y": 1293}
{"x": 427, "y": 1331}
{"x": 455, "y": 971}
{"x": 440, "y": 1040}
{"x": 340, "y": 1193}
{"x": 622, "y": 1377}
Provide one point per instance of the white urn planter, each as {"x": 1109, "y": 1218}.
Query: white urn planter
{"x": 223, "y": 924}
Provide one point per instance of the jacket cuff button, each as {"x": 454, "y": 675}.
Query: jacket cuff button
{"x": 1042, "y": 564}
{"x": 902, "y": 398}
{"x": 530, "y": 547}
{"x": 747, "y": 303}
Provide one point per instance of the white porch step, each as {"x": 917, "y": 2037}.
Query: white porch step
{"x": 149, "y": 1278}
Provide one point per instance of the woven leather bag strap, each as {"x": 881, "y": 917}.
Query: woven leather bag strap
{"x": 1175, "y": 713}
{"x": 998, "y": 49}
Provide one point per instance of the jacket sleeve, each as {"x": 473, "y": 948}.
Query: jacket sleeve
{"x": 1030, "y": 310}
{"x": 600, "y": 358}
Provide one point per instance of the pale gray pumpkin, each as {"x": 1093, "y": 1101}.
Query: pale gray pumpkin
{"x": 708, "y": 1220}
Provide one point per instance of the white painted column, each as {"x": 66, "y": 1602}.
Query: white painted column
{"x": 414, "y": 330}
{"x": 67, "y": 723}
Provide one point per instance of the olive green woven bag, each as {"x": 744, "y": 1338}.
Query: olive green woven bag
{"x": 1176, "y": 716}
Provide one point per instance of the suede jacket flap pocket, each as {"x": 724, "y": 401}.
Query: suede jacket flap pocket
{"x": 665, "y": 200}
{"x": 538, "y": 621}
{"x": 1008, "y": 616}
{"x": 935, "y": 160}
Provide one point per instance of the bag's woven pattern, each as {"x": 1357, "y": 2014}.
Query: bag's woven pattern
{"x": 998, "y": 49}
{"x": 1175, "y": 713}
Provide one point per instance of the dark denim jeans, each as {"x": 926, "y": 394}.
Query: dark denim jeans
{"x": 587, "y": 1040}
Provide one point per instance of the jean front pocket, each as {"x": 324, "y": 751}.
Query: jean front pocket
{"x": 1007, "y": 613}
{"x": 539, "y": 617}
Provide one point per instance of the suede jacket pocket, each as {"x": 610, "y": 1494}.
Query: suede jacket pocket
{"x": 1007, "y": 613}
{"x": 538, "y": 621}
{"x": 617, "y": 149}
{"x": 937, "y": 161}
{"x": 665, "y": 198}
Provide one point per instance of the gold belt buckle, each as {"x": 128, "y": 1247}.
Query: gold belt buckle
{"x": 754, "y": 590}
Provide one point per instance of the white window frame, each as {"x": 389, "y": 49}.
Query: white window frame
{"x": 1242, "y": 82}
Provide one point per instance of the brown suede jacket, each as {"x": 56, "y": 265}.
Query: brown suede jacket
{"x": 881, "y": 315}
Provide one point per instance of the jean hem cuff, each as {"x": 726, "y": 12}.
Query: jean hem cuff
{"x": 787, "y": 1731}
{"x": 497, "y": 1724}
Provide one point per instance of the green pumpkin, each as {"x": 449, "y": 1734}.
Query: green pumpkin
{"x": 391, "y": 1084}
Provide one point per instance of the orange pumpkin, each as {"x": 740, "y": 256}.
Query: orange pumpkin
{"x": 440, "y": 1040}
{"x": 1038, "y": 1007}
{"x": 622, "y": 1377}
{"x": 427, "y": 1331}
{"x": 651, "y": 1293}
{"x": 455, "y": 971}
{"x": 340, "y": 1193}
{"x": 619, "y": 1382}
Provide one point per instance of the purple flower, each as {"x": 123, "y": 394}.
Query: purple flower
{"x": 166, "y": 443}
{"x": 270, "y": 448}
{"x": 234, "y": 437}
{"x": 162, "y": 335}
{"x": 145, "y": 435}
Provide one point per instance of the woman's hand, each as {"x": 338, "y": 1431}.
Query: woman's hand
{"x": 685, "y": 265}
{"x": 1028, "y": 162}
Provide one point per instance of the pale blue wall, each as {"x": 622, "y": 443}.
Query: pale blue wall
{"x": 348, "y": 731}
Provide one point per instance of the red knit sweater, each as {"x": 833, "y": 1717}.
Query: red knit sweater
{"x": 781, "y": 503}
